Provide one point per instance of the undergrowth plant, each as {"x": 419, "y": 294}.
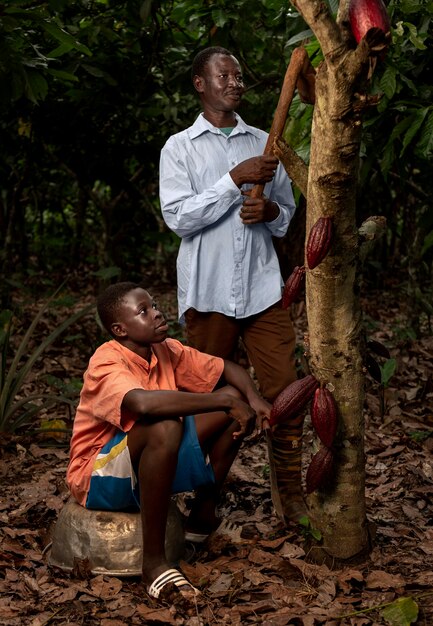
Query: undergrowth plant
{"x": 17, "y": 411}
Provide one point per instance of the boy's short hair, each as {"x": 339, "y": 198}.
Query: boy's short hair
{"x": 202, "y": 59}
{"x": 109, "y": 301}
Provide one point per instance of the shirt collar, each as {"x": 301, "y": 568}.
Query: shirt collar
{"x": 201, "y": 126}
{"x": 136, "y": 358}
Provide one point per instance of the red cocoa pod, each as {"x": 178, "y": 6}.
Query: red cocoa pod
{"x": 324, "y": 416}
{"x": 319, "y": 241}
{"x": 293, "y": 286}
{"x": 319, "y": 472}
{"x": 292, "y": 399}
{"x": 366, "y": 14}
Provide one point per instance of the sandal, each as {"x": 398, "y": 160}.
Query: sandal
{"x": 170, "y": 576}
{"x": 196, "y": 537}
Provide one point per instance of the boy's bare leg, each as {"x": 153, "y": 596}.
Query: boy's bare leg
{"x": 215, "y": 434}
{"x": 154, "y": 448}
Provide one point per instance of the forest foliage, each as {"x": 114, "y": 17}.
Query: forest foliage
{"x": 91, "y": 90}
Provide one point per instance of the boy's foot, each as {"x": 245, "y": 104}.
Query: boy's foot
{"x": 170, "y": 578}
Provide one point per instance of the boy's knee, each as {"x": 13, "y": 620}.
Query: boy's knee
{"x": 167, "y": 435}
{"x": 232, "y": 391}
{"x": 160, "y": 435}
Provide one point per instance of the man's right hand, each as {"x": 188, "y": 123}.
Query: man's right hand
{"x": 255, "y": 171}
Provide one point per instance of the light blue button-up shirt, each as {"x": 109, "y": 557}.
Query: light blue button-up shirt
{"x": 222, "y": 265}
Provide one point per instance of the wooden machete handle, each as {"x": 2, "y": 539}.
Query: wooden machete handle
{"x": 294, "y": 68}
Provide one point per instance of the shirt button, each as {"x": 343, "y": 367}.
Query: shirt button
{"x": 238, "y": 238}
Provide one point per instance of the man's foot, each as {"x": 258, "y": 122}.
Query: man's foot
{"x": 295, "y": 509}
{"x": 197, "y": 531}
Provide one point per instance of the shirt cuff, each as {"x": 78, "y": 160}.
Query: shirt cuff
{"x": 227, "y": 184}
{"x": 280, "y": 217}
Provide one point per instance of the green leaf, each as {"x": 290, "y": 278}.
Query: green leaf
{"x": 416, "y": 122}
{"x": 414, "y": 36}
{"x": 220, "y": 17}
{"x": 65, "y": 38}
{"x": 402, "y": 612}
{"x": 387, "y": 371}
{"x": 63, "y": 75}
{"x": 36, "y": 87}
{"x": 16, "y": 374}
{"x": 64, "y": 48}
{"x": 424, "y": 147}
{"x": 107, "y": 272}
{"x": 305, "y": 34}
{"x": 427, "y": 243}
{"x": 388, "y": 82}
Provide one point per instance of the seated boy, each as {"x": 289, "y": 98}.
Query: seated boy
{"x": 149, "y": 425}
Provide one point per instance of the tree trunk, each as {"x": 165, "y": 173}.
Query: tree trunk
{"x": 333, "y": 309}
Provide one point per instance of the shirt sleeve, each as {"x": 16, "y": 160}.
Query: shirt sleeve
{"x": 194, "y": 370}
{"x": 185, "y": 211}
{"x": 106, "y": 384}
{"x": 281, "y": 192}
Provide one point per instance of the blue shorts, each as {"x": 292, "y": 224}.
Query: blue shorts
{"x": 114, "y": 485}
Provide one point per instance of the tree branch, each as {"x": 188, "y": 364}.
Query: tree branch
{"x": 295, "y": 167}
{"x": 321, "y": 22}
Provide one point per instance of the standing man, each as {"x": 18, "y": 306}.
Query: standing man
{"x": 229, "y": 279}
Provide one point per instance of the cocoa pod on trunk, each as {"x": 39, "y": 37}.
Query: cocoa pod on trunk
{"x": 293, "y": 286}
{"x": 292, "y": 399}
{"x": 319, "y": 241}
{"x": 366, "y": 14}
{"x": 320, "y": 470}
{"x": 324, "y": 415}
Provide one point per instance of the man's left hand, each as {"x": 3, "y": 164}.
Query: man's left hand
{"x": 258, "y": 210}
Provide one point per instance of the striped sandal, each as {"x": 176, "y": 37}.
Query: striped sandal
{"x": 171, "y": 576}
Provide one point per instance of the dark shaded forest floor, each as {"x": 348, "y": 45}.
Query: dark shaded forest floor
{"x": 258, "y": 573}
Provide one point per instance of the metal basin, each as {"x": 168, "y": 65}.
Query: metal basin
{"x": 111, "y": 541}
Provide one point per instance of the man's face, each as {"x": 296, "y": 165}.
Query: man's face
{"x": 221, "y": 86}
{"x": 141, "y": 321}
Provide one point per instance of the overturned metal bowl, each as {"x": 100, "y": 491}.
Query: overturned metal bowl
{"x": 110, "y": 540}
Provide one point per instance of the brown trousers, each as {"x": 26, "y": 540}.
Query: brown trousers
{"x": 268, "y": 337}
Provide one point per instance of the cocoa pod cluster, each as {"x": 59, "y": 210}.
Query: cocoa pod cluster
{"x": 293, "y": 400}
{"x": 324, "y": 419}
{"x": 293, "y": 286}
{"x": 320, "y": 470}
{"x": 324, "y": 416}
{"x": 318, "y": 246}
{"x": 319, "y": 241}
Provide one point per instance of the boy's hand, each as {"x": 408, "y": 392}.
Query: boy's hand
{"x": 262, "y": 409}
{"x": 245, "y": 415}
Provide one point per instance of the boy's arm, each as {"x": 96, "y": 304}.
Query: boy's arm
{"x": 239, "y": 378}
{"x": 170, "y": 404}
{"x": 155, "y": 405}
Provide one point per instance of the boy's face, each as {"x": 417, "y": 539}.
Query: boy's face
{"x": 139, "y": 320}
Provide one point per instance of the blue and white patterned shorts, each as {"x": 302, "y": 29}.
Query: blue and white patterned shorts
{"x": 114, "y": 485}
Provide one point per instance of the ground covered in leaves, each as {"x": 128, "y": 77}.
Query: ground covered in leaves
{"x": 256, "y": 571}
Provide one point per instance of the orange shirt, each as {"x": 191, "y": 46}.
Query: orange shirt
{"x": 113, "y": 371}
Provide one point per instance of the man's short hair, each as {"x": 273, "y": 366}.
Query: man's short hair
{"x": 203, "y": 57}
{"x": 109, "y": 301}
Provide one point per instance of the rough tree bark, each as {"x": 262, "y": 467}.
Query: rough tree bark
{"x": 333, "y": 311}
